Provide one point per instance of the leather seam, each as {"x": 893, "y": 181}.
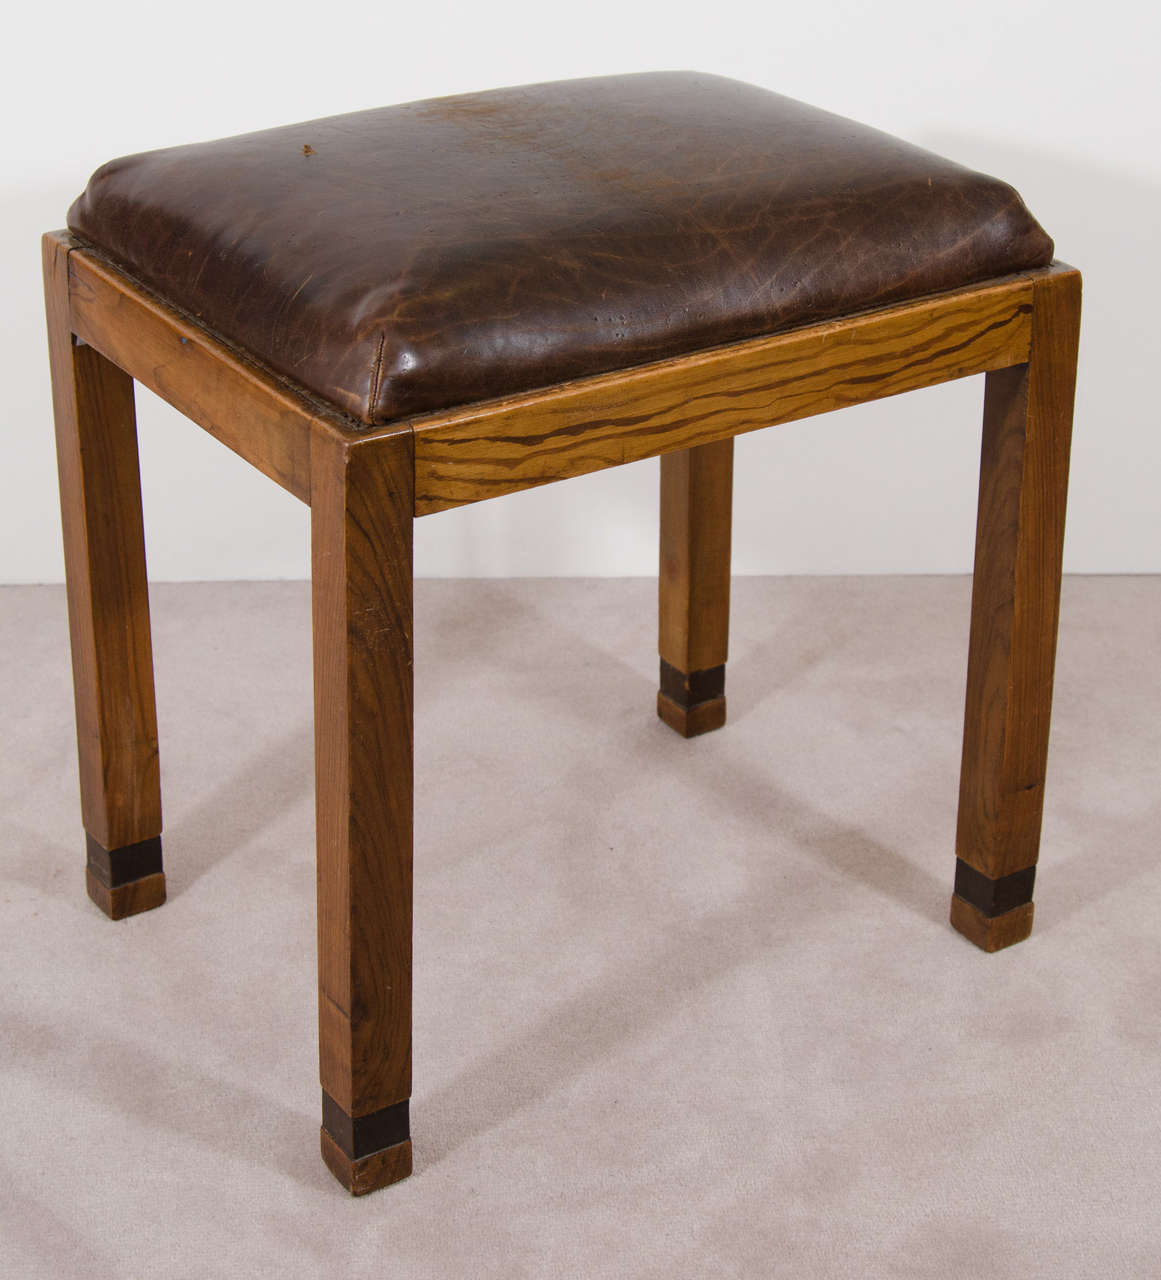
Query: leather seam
{"x": 376, "y": 378}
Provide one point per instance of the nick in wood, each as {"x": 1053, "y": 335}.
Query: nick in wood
{"x": 773, "y": 263}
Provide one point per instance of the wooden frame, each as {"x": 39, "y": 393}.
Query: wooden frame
{"x": 365, "y": 485}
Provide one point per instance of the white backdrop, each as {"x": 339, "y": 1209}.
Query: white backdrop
{"x": 1060, "y": 99}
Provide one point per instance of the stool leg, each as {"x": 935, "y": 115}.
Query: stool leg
{"x": 694, "y": 586}
{"x": 361, "y": 517}
{"x": 1015, "y": 606}
{"x": 108, "y": 603}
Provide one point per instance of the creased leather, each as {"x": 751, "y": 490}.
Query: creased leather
{"x": 417, "y": 257}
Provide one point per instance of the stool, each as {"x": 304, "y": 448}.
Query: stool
{"x": 400, "y": 311}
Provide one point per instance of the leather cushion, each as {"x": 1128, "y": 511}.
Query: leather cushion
{"x": 421, "y": 256}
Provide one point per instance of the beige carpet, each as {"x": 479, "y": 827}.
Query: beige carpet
{"x": 683, "y": 1009}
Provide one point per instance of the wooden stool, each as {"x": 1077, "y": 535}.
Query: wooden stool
{"x": 399, "y": 311}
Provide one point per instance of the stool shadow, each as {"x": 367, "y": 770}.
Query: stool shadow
{"x": 41, "y": 863}
{"x": 761, "y": 923}
{"x": 240, "y": 808}
{"x": 173, "y": 1096}
{"x": 585, "y": 1027}
{"x": 850, "y": 851}
{"x": 32, "y": 1229}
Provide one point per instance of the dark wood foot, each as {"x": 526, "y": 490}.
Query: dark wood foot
{"x": 126, "y": 881}
{"x": 992, "y": 912}
{"x": 692, "y": 702}
{"x": 994, "y": 896}
{"x": 366, "y": 1152}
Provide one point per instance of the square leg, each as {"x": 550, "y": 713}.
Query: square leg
{"x": 361, "y": 535}
{"x": 694, "y": 586}
{"x": 108, "y": 600}
{"x": 1015, "y": 609}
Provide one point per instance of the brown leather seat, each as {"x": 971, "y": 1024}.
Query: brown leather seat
{"x": 422, "y": 256}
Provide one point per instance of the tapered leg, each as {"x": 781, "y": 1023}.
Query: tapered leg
{"x": 108, "y": 599}
{"x": 1015, "y": 605}
{"x": 361, "y": 515}
{"x": 694, "y": 604}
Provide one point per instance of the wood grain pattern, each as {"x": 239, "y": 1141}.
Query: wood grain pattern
{"x": 697, "y": 487}
{"x": 1016, "y": 590}
{"x": 506, "y": 445}
{"x": 266, "y": 421}
{"x": 361, "y": 527}
{"x": 108, "y": 598}
{"x": 694, "y": 579}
